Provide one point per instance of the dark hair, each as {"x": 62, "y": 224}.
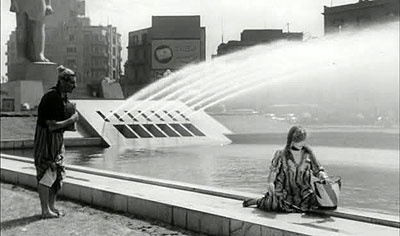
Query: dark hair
{"x": 296, "y": 134}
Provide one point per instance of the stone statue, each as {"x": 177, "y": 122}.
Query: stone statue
{"x": 30, "y": 33}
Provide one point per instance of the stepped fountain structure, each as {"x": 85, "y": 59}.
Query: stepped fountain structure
{"x": 149, "y": 124}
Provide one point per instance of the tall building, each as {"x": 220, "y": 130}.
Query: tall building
{"x": 64, "y": 10}
{"x": 360, "y": 14}
{"x": 93, "y": 52}
{"x": 169, "y": 44}
{"x": 253, "y": 37}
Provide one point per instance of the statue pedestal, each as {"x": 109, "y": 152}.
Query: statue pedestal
{"x": 28, "y": 82}
{"x": 38, "y": 71}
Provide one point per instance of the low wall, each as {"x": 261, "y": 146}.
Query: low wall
{"x": 196, "y": 208}
{"x": 364, "y": 139}
{"x": 69, "y": 142}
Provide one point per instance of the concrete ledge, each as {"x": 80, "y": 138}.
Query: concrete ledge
{"x": 148, "y": 180}
{"x": 369, "y": 217}
{"x": 69, "y": 142}
{"x": 209, "y": 214}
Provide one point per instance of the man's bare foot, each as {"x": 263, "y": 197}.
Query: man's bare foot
{"x": 49, "y": 215}
{"x": 58, "y": 212}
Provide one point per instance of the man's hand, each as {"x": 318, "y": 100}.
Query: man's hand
{"x": 75, "y": 117}
{"x": 49, "y": 10}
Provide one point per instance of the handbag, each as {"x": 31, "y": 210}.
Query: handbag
{"x": 327, "y": 192}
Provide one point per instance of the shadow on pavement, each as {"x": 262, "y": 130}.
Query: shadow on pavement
{"x": 19, "y": 222}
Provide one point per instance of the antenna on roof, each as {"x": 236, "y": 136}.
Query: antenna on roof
{"x": 86, "y": 10}
{"x": 222, "y": 30}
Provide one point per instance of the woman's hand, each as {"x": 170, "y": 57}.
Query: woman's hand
{"x": 270, "y": 188}
{"x": 322, "y": 175}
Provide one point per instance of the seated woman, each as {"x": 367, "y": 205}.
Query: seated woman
{"x": 289, "y": 181}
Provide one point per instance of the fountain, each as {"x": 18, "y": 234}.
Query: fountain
{"x": 344, "y": 71}
{"x": 140, "y": 127}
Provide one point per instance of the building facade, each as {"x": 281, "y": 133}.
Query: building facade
{"x": 254, "y": 37}
{"x": 359, "y": 14}
{"x": 171, "y": 43}
{"x": 93, "y": 52}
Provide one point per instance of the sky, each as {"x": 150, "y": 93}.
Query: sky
{"x": 223, "y": 19}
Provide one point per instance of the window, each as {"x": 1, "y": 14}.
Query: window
{"x": 97, "y": 37}
{"x": 71, "y": 49}
{"x": 71, "y": 37}
{"x": 135, "y": 40}
{"x": 71, "y": 62}
{"x": 114, "y": 51}
{"x": 338, "y": 24}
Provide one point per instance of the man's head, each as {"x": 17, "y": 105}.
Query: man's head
{"x": 66, "y": 79}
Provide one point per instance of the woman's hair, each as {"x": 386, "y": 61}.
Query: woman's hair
{"x": 65, "y": 73}
{"x": 296, "y": 134}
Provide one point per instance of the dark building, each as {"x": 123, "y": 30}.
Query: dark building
{"x": 253, "y": 37}
{"x": 360, "y": 14}
{"x": 171, "y": 43}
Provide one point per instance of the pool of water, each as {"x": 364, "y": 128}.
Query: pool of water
{"x": 370, "y": 177}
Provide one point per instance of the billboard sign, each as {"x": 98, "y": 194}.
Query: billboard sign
{"x": 174, "y": 53}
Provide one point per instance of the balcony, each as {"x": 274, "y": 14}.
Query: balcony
{"x": 99, "y": 54}
{"x": 99, "y": 66}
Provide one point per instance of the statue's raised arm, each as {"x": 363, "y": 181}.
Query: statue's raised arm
{"x": 30, "y": 30}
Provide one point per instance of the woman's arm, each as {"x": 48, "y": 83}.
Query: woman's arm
{"x": 274, "y": 168}
{"x": 317, "y": 169}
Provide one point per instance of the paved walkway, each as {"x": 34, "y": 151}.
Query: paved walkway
{"x": 20, "y": 215}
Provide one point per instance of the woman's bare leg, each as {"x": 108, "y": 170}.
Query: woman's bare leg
{"x": 250, "y": 202}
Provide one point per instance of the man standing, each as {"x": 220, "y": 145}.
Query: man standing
{"x": 49, "y": 140}
{"x": 30, "y": 31}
